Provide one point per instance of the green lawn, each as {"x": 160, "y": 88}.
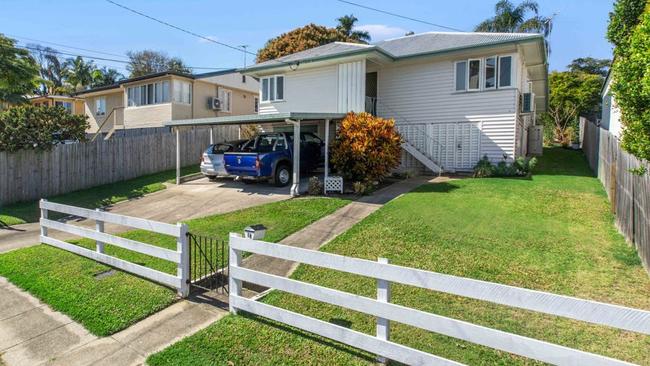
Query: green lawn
{"x": 104, "y": 195}
{"x": 104, "y": 306}
{"x": 553, "y": 232}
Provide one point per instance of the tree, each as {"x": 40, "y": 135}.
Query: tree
{"x": 105, "y": 76}
{"x": 629, "y": 31}
{"x": 52, "y": 70}
{"x": 346, "y": 26}
{"x": 513, "y": 19}
{"x": 150, "y": 62}
{"x": 19, "y": 72}
{"x": 590, "y": 65}
{"x": 79, "y": 73}
{"x": 300, "y": 39}
{"x": 366, "y": 147}
{"x": 572, "y": 94}
{"x": 39, "y": 128}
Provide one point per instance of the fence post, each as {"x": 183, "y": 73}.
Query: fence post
{"x": 99, "y": 226}
{"x": 234, "y": 285}
{"x": 43, "y": 216}
{"x": 383, "y": 295}
{"x": 184, "y": 264}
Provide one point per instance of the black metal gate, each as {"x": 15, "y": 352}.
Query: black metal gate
{"x": 208, "y": 263}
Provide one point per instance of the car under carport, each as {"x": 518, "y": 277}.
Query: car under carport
{"x": 295, "y": 119}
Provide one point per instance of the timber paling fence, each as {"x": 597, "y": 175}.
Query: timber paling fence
{"x": 30, "y": 175}
{"x": 628, "y": 193}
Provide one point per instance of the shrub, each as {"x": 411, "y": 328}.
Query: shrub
{"x": 359, "y": 188}
{"x": 39, "y": 128}
{"x": 315, "y": 186}
{"x": 483, "y": 168}
{"x": 521, "y": 167}
{"x": 366, "y": 148}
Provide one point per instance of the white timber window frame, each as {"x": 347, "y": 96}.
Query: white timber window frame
{"x": 225, "y": 95}
{"x": 148, "y": 94}
{"x": 272, "y": 88}
{"x": 100, "y": 106}
{"x": 504, "y": 73}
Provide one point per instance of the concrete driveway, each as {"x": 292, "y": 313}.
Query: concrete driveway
{"x": 193, "y": 199}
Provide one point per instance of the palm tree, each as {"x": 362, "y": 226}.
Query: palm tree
{"x": 51, "y": 70}
{"x": 79, "y": 73}
{"x": 105, "y": 76}
{"x": 346, "y": 27}
{"x": 512, "y": 19}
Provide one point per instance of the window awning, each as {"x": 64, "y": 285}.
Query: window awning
{"x": 255, "y": 119}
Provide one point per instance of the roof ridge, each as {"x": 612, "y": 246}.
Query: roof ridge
{"x": 463, "y": 34}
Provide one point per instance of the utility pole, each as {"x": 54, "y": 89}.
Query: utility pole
{"x": 244, "y": 47}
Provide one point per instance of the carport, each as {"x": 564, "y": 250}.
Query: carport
{"x": 292, "y": 118}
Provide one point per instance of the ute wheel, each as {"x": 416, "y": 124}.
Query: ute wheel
{"x": 282, "y": 175}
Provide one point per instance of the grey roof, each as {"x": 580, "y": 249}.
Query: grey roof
{"x": 418, "y": 44}
{"x": 444, "y": 41}
{"x": 256, "y": 119}
{"x": 330, "y": 49}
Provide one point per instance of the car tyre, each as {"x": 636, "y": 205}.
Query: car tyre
{"x": 282, "y": 175}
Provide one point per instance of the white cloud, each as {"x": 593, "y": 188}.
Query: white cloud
{"x": 380, "y": 32}
{"x": 202, "y": 40}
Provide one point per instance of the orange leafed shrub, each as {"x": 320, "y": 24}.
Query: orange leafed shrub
{"x": 366, "y": 148}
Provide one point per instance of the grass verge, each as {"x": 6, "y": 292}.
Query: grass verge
{"x": 104, "y": 195}
{"x": 68, "y": 282}
{"x": 553, "y": 232}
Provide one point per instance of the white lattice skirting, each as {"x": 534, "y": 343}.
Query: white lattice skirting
{"x": 334, "y": 183}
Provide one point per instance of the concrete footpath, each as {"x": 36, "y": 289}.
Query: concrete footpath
{"x": 176, "y": 203}
{"x": 33, "y": 334}
{"x": 327, "y": 228}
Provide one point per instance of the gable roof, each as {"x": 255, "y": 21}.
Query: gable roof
{"x": 398, "y": 48}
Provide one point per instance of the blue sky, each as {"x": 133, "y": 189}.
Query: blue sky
{"x": 579, "y": 26}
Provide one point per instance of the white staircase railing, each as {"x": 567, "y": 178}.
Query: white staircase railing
{"x": 417, "y": 141}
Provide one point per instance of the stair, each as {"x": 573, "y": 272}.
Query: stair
{"x": 417, "y": 142}
{"x": 422, "y": 158}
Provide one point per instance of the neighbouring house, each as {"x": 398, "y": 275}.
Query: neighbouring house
{"x": 152, "y": 100}
{"x": 455, "y": 97}
{"x": 611, "y": 114}
{"x": 73, "y": 105}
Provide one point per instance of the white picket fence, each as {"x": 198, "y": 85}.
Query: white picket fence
{"x": 585, "y": 310}
{"x": 180, "y": 256}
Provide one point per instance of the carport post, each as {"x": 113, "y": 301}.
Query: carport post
{"x": 178, "y": 156}
{"x": 295, "y": 186}
{"x": 211, "y": 136}
{"x": 327, "y": 150}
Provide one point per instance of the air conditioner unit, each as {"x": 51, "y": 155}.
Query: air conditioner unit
{"x": 527, "y": 100}
{"x": 214, "y": 103}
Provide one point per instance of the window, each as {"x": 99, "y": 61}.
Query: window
{"x": 66, "y": 105}
{"x": 225, "y": 96}
{"x": 461, "y": 73}
{"x": 182, "y": 92}
{"x": 491, "y": 73}
{"x": 272, "y": 88}
{"x": 505, "y": 71}
{"x": 100, "y": 106}
{"x": 153, "y": 93}
{"x": 256, "y": 104}
{"x": 474, "y": 79}
{"x": 483, "y": 74}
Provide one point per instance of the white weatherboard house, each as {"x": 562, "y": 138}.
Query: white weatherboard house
{"x": 455, "y": 96}
{"x": 611, "y": 114}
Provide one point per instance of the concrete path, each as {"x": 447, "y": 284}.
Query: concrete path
{"x": 176, "y": 203}
{"x": 327, "y": 228}
{"x": 33, "y": 334}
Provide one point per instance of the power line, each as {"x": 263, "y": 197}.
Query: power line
{"x": 66, "y": 46}
{"x": 110, "y": 59}
{"x": 398, "y": 15}
{"x": 179, "y": 28}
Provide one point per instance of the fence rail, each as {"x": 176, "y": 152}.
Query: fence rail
{"x": 628, "y": 193}
{"x": 180, "y": 256}
{"x": 574, "y": 308}
{"x": 29, "y": 175}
